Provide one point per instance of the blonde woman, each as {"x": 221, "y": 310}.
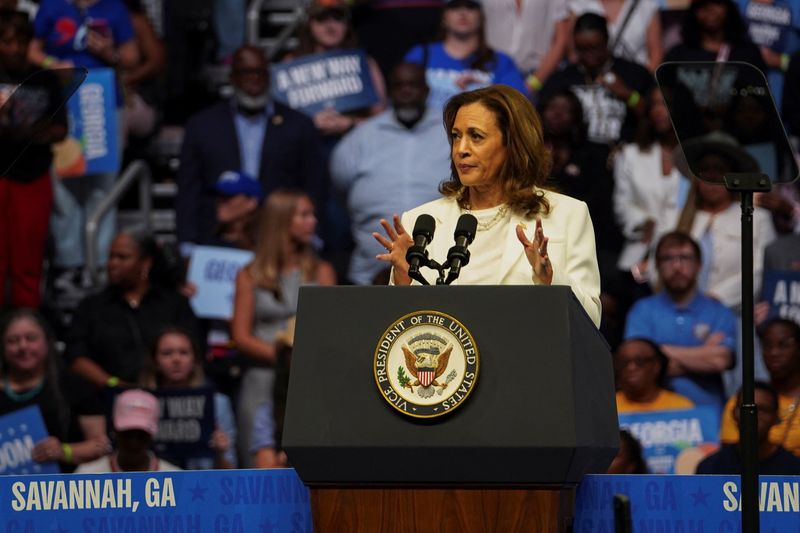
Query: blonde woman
{"x": 266, "y": 296}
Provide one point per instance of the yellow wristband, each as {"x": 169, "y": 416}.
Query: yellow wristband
{"x": 67, "y": 450}
{"x": 534, "y": 82}
{"x": 634, "y": 98}
{"x": 112, "y": 382}
{"x": 785, "y": 60}
{"x": 48, "y": 61}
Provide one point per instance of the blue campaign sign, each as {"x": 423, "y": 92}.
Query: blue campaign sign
{"x": 213, "y": 271}
{"x": 685, "y": 503}
{"x": 768, "y": 24}
{"x": 674, "y": 441}
{"x": 339, "y": 80}
{"x": 19, "y": 432}
{"x": 92, "y": 144}
{"x": 781, "y": 290}
{"x": 218, "y": 501}
{"x": 185, "y": 423}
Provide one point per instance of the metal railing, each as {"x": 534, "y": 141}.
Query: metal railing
{"x": 135, "y": 171}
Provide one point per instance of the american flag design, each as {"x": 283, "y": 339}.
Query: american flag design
{"x": 426, "y": 376}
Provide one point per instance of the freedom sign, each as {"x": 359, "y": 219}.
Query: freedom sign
{"x": 671, "y": 439}
{"x": 19, "y": 433}
{"x": 337, "y": 80}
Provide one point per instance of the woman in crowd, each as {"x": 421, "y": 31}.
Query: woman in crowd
{"x": 112, "y": 330}
{"x": 462, "y": 60}
{"x": 713, "y": 30}
{"x": 634, "y": 28}
{"x": 780, "y": 346}
{"x": 140, "y": 81}
{"x": 175, "y": 363}
{"x": 499, "y": 169}
{"x": 266, "y": 295}
{"x": 328, "y": 29}
{"x": 30, "y": 375}
{"x": 649, "y": 190}
{"x": 641, "y": 369}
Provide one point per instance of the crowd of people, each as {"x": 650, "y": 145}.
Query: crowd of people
{"x": 317, "y": 198}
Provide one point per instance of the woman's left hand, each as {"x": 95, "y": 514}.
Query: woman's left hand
{"x": 220, "y": 441}
{"x": 536, "y": 252}
{"x": 47, "y": 450}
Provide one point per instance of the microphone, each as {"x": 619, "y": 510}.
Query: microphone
{"x": 417, "y": 255}
{"x": 458, "y": 255}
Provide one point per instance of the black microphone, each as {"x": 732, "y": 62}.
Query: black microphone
{"x": 417, "y": 255}
{"x": 458, "y": 255}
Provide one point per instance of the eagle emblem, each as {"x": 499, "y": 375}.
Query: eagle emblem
{"x": 426, "y": 358}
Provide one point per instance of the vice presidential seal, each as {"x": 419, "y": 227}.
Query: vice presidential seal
{"x": 426, "y": 364}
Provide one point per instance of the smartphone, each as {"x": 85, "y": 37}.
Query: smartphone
{"x": 622, "y": 514}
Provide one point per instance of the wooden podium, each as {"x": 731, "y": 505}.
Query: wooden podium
{"x": 541, "y": 415}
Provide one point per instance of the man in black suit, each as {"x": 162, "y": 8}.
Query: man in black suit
{"x": 248, "y": 133}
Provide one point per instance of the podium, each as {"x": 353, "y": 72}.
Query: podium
{"x": 540, "y": 416}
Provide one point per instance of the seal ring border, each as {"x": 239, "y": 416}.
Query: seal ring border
{"x": 477, "y": 363}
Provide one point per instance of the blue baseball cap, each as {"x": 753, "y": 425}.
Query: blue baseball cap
{"x": 233, "y": 183}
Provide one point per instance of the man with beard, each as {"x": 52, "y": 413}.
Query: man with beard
{"x": 695, "y": 332}
{"x": 248, "y": 134}
{"x": 389, "y": 164}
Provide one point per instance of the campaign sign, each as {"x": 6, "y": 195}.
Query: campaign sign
{"x": 92, "y": 144}
{"x": 782, "y": 291}
{"x": 339, "y": 80}
{"x": 185, "y": 424}
{"x": 685, "y": 503}
{"x": 212, "y": 501}
{"x": 670, "y": 439}
{"x": 213, "y": 271}
{"x": 19, "y": 432}
{"x": 768, "y": 24}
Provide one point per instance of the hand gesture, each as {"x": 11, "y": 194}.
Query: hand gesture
{"x": 536, "y": 252}
{"x": 100, "y": 45}
{"x": 331, "y": 122}
{"x": 47, "y": 450}
{"x": 220, "y": 441}
{"x": 397, "y": 242}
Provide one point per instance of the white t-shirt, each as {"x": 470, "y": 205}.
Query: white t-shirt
{"x": 525, "y": 36}
{"x": 633, "y": 44}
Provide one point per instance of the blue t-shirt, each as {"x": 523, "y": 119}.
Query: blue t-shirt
{"x": 63, "y": 27}
{"x": 659, "y": 319}
{"x": 442, "y": 71}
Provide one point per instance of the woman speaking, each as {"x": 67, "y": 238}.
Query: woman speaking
{"x": 499, "y": 165}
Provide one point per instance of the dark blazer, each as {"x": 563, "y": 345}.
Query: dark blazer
{"x": 290, "y": 158}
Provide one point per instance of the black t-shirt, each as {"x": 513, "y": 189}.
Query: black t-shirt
{"x": 728, "y": 461}
{"x": 117, "y": 336}
{"x": 28, "y": 111}
{"x": 609, "y": 120}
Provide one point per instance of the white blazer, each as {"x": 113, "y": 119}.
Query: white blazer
{"x": 571, "y": 246}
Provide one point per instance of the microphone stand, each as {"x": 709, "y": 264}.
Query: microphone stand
{"x": 746, "y": 184}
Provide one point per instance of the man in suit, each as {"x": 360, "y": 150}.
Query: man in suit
{"x": 248, "y": 133}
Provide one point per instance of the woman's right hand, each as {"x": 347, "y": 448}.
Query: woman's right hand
{"x": 397, "y": 242}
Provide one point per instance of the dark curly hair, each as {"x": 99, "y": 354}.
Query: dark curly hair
{"x": 734, "y": 29}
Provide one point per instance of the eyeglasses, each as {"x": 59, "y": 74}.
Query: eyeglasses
{"x": 670, "y": 259}
{"x": 638, "y": 362}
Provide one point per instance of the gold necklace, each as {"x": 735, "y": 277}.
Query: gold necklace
{"x": 489, "y": 224}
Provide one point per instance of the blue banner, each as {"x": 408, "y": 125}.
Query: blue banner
{"x": 19, "y": 433}
{"x": 185, "y": 424}
{"x": 782, "y": 291}
{"x": 685, "y": 503}
{"x": 769, "y": 24}
{"x": 339, "y": 80}
{"x": 674, "y": 442}
{"x": 92, "y": 144}
{"x": 219, "y": 501}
